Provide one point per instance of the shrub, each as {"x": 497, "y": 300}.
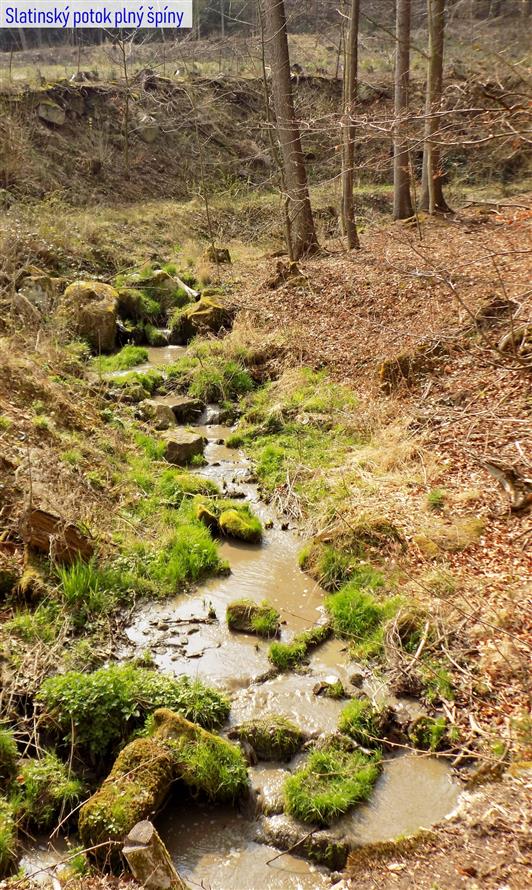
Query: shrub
{"x": 103, "y": 708}
{"x": 45, "y": 788}
{"x": 330, "y": 783}
{"x": 286, "y": 656}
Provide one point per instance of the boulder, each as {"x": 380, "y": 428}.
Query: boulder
{"x": 158, "y": 414}
{"x": 205, "y": 316}
{"x": 186, "y": 409}
{"x": 51, "y": 112}
{"x": 182, "y": 446}
{"x": 90, "y": 308}
{"x": 40, "y": 289}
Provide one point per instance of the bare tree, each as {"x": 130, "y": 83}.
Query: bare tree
{"x": 402, "y": 201}
{"x": 348, "y": 154}
{"x": 431, "y": 183}
{"x": 302, "y": 229}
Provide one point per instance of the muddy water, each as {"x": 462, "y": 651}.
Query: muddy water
{"x": 218, "y": 848}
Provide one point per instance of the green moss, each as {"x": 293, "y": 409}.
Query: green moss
{"x": 128, "y": 357}
{"x": 150, "y": 380}
{"x": 135, "y": 305}
{"x": 105, "y": 706}
{"x": 331, "y": 782}
{"x": 175, "y": 486}
{"x": 273, "y": 737}
{"x": 255, "y": 618}
{"x": 362, "y": 721}
{"x": 429, "y": 733}
{"x": 154, "y": 337}
{"x": 45, "y": 788}
{"x": 234, "y": 523}
{"x": 8, "y": 756}
{"x": 286, "y": 656}
{"x": 8, "y": 838}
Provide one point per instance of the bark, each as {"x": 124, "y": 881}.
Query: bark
{"x": 348, "y": 154}
{"x": 431, "y": 183}
{"x": 402, "y": 201}
{"x": 302, "y": 229}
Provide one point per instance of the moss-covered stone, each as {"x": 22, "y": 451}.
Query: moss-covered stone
{"x": 146, "y": 768}
{"x": 429, "y": 733}
{"x": 254, "y": 618}
{"x": 89, "y": 308}
{"x": 235, "y": 524}
{"x": 286, "y": 656}
{"x": 205, "y": 316}
{"x": 364, "y": 722}
{"x": 273, "y": 737}
{"x": 207, "y": 517}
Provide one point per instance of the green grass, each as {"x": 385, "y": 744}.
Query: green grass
{"x": 331, "y": 782}
{"x": 249, "y": 617}
{"x": 128, "y": 357}
{"x": 153, "y": 448}
{"x": 8, "y": 837}
{"x": 98, "y": 711}
{"x": 44, "y": 789}
{"x": 360, "y": 617}
{"x": 210, "y": 376}
{"x": 90, "y": 590}
{"x": 362, "y": 721}
{"x": 287, "y": 656}
{"x": 8, "y": 755}
{"x": 5, "y": 424}
{"x": 428, "y": 733}
{"x": 40, "y": 625}
{"x": 436, "y": 499}
{"x": 150, "y": 380}
{"x": 214, "y": 767}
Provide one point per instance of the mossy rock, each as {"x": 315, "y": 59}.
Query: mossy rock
{"x": 366, "y": 723}
{"x": 154, "y": 336}
{"x": 273, "y": 737}
{"x": 287, "y": 656}
{"x": 235, "y": 524}
{"x": 8, "y": 838}
{"x": 145, "y": 770}
{"x": 254, "y": 618}
{"x": 90, "y": 310}
{"x": 205, "y": 316}
{"x": 207, "y": 517}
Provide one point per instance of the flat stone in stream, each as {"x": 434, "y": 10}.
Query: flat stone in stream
{"x": 159, "y": 415}
{"x": 182, "y": 446}
{"x": 186, "y": 409}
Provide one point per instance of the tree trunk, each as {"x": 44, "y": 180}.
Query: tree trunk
{"x": 402, "y": 201}
{"x": 431, "y": 182}
{"x": 348, "y": 155}
{"x": 302, "y": 229}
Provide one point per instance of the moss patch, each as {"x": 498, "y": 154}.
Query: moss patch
{"x": 286, "y": 656}
{"x": 45, "y": 788}
{"x": 332, "y": 781}
{"x": 8, "y": 756}
{"x": 364, "y": 722}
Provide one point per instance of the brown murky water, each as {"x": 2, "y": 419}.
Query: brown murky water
{"x": 218, "y": 848}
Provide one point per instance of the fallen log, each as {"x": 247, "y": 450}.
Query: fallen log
{"x": 49, "y": 533}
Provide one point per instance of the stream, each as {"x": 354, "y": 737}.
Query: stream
{"x": 221, "y": 848}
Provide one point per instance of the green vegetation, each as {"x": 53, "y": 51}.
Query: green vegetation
{"x": 8, "y": 837}
{"x": 8, "y": 757}
{"x": 44, "y": 789}
{"x": 128, "y": 357}
{"x": 272, "y": 738}
{"x": 41, "y": 624}
{"x": 90, "y": 590}
{"x": 359, "y": 616}
{"x": 286, "y": 656}
{"x": 363, "y": 722}
{"x": 209, "y": 375}
{"x": 429, "y": 733}
{"x": 256, "y": 618}
{"x": 150, "y": 381}
{"x": 330, "y": 783}
{"x": 107, "y": 705}
{"x": 214, "y": 768}
{"x": 436, "y": 499}
{"x": 5, "y": 424}
{"x": 437, "y": 682}
{"x": 230, "y": 518}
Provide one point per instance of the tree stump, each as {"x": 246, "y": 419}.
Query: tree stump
{"x": 149, "y": 860}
